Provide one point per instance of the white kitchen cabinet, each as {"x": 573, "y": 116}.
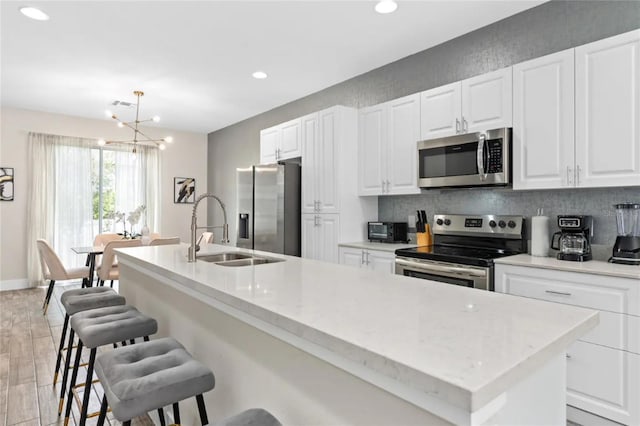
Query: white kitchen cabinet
{"x": 576, "y": 121}
{"x": 608, "y": 112}
{"x": 281, "y": 142}
{"x": 388, "y": 136}
{"x": 543, "y": 131}
{"x": 375, "y": 260}
{"x": 603, "y": 367}
{"x": 320, "y": 235}
{"x": 479, "y": 103}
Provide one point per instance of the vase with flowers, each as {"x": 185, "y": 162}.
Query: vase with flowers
{"x": 133, "y": 218}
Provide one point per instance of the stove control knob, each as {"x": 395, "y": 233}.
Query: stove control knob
{"x": 492, "y": 223}
{"x": 511, "y": 224}
{"x": 447, "y": 222}
{"x": 502, "y": 224}
{"x": 439, "y": 222}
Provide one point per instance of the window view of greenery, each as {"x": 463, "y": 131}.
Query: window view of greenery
{"x": 103, "y": 185}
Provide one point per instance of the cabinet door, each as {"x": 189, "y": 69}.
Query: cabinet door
{"x": 308, "y": 186}
{"x": 351, "y": 256}
{"x": 371, "y": 142}
{"x": 328, "y": 163}
{"x": 402, "y": 138}
{"x": 440, "y": 110}
{"x": 328, "y": 230}
{"x": 269, "y": 141}
{"x": 543, "y": 122}
{"x": 487, "y": 101}
{"x": 381, "y": 261}
{"x": 607, "y": 112}
{"x": 290, "y": 141}
{"x": 309, "y": 236}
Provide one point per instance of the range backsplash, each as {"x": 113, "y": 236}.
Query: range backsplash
{"x": 597, "y": 202}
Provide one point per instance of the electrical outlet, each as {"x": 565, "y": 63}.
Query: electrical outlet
{"x": 411, "y": 221}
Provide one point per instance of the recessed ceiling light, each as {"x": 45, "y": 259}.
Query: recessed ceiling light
{"x": 33, "y": 13}
{"x": 386, "y": 6}
{"x": 259, "y": 75}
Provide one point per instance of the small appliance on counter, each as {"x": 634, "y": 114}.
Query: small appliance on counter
{"x": 627, "y": 247}
{"x": 574, "y": 238}
{"x": 387, "y": 232}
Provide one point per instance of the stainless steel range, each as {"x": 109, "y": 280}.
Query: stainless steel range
{"x": 464, "y": 249}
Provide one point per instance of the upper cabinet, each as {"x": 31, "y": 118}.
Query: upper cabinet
{"x": 543, "y": 132}
{"x": 281, "y": 142}
{"x": 600, "y": 145}
{"x": 479, "y": 103}
{"x": 608, "y": 112}
{"x": 388, "y": 134}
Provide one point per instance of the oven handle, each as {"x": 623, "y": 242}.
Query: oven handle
{"x": 440, "y": 268}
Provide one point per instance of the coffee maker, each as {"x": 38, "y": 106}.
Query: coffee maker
{"x": 574, "y": 239}
{"x": 627, "y": 247}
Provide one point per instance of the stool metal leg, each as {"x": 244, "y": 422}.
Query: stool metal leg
{"x": 103, "y": 411}
{"x": 202, "y": 410}
{"x": 65, "y": 373}
{"x": 87, "y": 388}
{"x": 161, "y": 416}
{"x": 176, "y": 413}
{"x": 74, "y": 376}
{"x": 127, "y": 423}
{"x": 60, "y": 348}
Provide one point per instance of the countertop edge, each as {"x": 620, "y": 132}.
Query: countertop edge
{"x": 596, "y": 267}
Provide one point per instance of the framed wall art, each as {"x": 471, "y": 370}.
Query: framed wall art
{"x": 6, "y": 183}
{"x": 184, "y": 190}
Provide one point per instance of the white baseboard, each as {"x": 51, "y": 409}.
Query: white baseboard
{"x": 19, "y": 284}
{"x": 584, "y": 418}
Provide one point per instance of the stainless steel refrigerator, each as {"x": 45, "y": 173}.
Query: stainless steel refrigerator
{"x": 269, "y": 208}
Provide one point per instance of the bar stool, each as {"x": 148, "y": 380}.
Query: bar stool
{"x": 148, "y": 376}
{"x": 99, "y": 327}
{"x": 75, "y": 301}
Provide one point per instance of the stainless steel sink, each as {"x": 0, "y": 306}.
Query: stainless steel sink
{"x": 235, "y": 258}
{"x": 249, "y": 262}
{"x": 223, "y": 257}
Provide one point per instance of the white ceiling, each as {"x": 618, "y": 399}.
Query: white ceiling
{"x": 194, "y": 59}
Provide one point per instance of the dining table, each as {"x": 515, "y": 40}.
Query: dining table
{"x": 91, "y": 252}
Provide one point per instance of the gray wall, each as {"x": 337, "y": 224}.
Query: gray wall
{"x": 548, "y": 28}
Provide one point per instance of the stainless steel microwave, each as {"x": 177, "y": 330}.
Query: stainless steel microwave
{"x": 473, "y": 159}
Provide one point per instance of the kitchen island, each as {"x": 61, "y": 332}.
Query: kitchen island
{"x": 320, "y": 343}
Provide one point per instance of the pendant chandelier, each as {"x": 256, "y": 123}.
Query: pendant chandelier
{"x": 139, "y": 138}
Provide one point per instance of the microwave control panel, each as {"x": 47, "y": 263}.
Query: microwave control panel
{"x": 495, "y": 156}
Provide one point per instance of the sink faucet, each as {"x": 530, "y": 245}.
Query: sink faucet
{"x": 193, "y": 248}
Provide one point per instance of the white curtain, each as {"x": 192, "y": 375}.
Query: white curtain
{"x": 60, "y": 205}
{"x": 61, "y": 197}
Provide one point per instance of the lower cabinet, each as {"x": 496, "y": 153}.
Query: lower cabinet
{"x": 320, "y": 233}
{"x": 603, "y": 367}
{"x": 375, "y": 260}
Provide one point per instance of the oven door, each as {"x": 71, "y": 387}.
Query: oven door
{"x": 450, "y": 273}
{"x": 474, "y": 159}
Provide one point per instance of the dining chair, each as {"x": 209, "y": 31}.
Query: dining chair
{"x": 165, "y": 241}
{"x": 101, "y": 240}
{"x": 54, "y": 270}
{"x": 205, "y": 238}
{"x": 108, "y": 269}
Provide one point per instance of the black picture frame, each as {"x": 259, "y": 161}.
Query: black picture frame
{"x": 184, "y": 190}
{"x": 6, "y": 184}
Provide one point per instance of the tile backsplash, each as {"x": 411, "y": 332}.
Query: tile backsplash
{"x": 597, "y": 202}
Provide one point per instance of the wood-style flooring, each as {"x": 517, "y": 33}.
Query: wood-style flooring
{"x": 28, "y": 345}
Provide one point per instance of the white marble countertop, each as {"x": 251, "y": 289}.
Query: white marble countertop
{"x": 597, "y": 267}
{"x": 368, "y": 245}
{"x": 462, "y": 346}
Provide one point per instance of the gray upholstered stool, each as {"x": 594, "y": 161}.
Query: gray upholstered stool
{"x": 104, "y": 326}
{"x": 75, "y": 301}
{"x": 252, "y": 417}
{"x": 148, "y": 376}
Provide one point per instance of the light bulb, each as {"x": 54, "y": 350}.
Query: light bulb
{"x": 156, "y": 118}
{"x": 108, "y": 113}
{"x": 168, "y": 139}
{"x": 260, "y": 75}
{"x": 386, "y": 6}
{"x": 162, "y": 147}
{"x": 120, "y": 124}
{"x": 101, "y": 142}
{"x": 33, "y": 13}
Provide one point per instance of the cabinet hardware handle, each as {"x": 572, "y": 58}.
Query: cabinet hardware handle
{"x": 465, "y": 125}
{"x": 578, "y": 175}
{"x": 457, "y": 125}
{"x": 367, "y": 258}
{"x": 388, "y": 185}
{"x": 383, "y": 191}
{"x": 569, "y": 171}
{"x": 561, "y": 293}
{"x": 362, "y": 258}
